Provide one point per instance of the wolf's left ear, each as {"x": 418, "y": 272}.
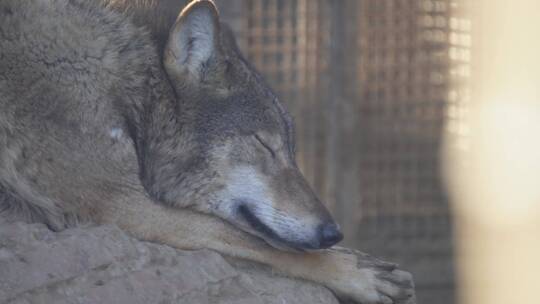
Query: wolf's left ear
{"x": 193, "y": 40}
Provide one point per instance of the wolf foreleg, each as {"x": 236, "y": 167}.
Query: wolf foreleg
{"x": 350, "y": 274}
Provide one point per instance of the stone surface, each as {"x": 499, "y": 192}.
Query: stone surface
{"x": 101, "y": 264}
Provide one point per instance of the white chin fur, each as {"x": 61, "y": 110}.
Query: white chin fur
{"x": 246, "y": 186}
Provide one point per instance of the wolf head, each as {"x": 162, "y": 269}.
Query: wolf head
{"x": 233, "y": 151}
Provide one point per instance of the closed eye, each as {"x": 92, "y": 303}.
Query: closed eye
{"x": 266, "y": 146}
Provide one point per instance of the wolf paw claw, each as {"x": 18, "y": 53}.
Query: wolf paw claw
{"x": 373, "y": 281}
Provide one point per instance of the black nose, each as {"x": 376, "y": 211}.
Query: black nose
{"x": 329, "y": 235}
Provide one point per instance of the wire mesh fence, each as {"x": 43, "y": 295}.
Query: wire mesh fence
{"x": 372, "y": 85}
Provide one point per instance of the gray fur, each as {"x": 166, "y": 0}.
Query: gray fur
{"x": 92, "y": 112}
{"x": 64, "y": 81}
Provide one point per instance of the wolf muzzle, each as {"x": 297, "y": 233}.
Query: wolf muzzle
{"x": 329, "y": 235}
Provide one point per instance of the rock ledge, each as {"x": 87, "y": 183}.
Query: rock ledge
{"x": 102, "y": 264}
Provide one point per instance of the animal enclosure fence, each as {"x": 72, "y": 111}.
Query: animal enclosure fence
{"x": 372, "y": 85}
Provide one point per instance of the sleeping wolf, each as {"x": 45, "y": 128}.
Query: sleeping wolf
{"x": 112, "y": 115}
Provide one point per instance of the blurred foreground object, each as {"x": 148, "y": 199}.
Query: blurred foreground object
{"x": 494, "y": 180}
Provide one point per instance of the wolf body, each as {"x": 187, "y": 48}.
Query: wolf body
{"x": 123, "y": 112}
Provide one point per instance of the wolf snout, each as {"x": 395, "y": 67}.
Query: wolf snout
{"x": 329, "y": 235}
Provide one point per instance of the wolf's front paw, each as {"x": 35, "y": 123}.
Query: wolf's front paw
{"x": 372, "y": 281}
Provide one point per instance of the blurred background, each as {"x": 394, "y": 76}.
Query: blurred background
{"x": 417, "y": 123}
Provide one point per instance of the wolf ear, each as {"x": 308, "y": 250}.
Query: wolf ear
{"x": 193, "y": 40}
